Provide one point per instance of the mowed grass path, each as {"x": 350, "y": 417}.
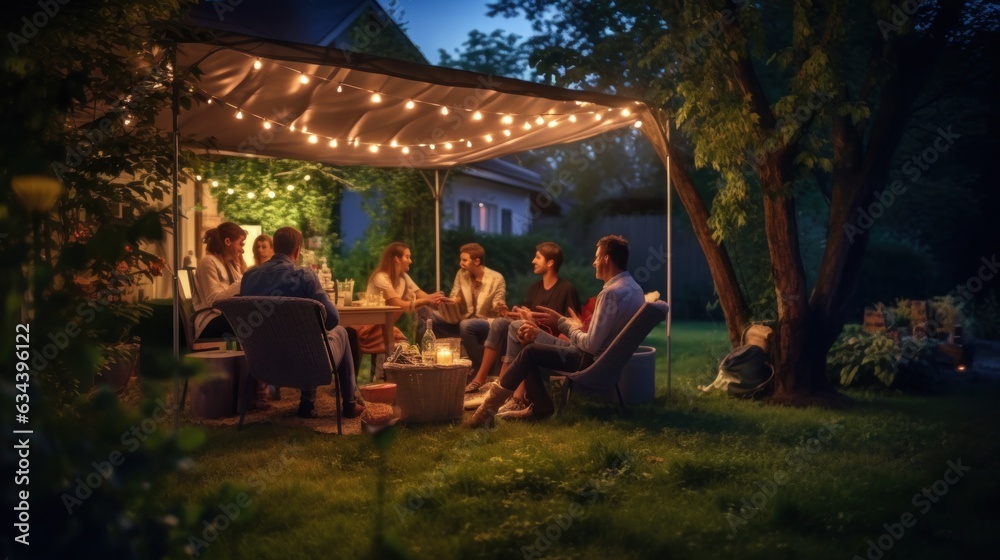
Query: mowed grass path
{"x": 691, "y": 476}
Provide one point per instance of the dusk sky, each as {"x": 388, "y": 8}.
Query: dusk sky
{"x": 445, "y": 24}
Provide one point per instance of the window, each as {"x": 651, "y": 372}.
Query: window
{"x": 464, "y": 214}
{"x": 486, "y": 218}
{"x": 506, "y": 222}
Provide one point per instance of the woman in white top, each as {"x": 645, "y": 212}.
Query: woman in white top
{"x": 218, "y": 276}
{"x": 391, "y": 279}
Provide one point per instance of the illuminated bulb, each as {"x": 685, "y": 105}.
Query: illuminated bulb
{"x": 257, "y": 64}
{"x": 197, "y": 177}
{"x": 572, "y": 118}
{"x": 333, "y": 143}
{"x": 447, "y": 145}
{"x": 128, "y": 121}
{"x": 313, "y": 139}
{"x": 597, "y": 117}
{"x": 638, "y": 124}
{"x": 489, "y": 137}
{"x": 340, "y": 88}
{"x": 507, "y": 119}
{"x": 410, "y": 104}
{"x": 393, "y": 143}
{"x": 290, "y": 188}
{"x": 292, "y": 128}
{"x": 304, "y": 79}
{"x": 251, "y": 195}
{"x": 527, "y": 126}
{"x": 373, "y": 149}
{"x": 481, "y": 205}
{"x": 209, "y": 100}
{"x": 230, "y": 191}
{"x": 304, "y": 131}
{"x": 239, "y": 114}
{"x": 552, "y": 123}
{"x": 307, "y": 177}
{"x": 431, "y": 146}
{"x": 626, "y": 112}
{"x": 267, "y": 125}
{"x": 477, "y": 116}
{"x": 376, "y": 98}
{"x": 540, "y": 120}
{"x": 444, "y": 110}
{"x": 270, "y": 194}
{"x": 215, "y": 183}
{"x": 356, "y": 142}
{"x": 506, "y": 132}
{"x": 406, "y": 150}
{"x": 468, "y": 144}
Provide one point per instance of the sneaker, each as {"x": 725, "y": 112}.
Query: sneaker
{"x": 353, "y": 410}
{"x": 513, "y": 404}
{"x": 525, "y": 413}
{"x": 307, "y": 409}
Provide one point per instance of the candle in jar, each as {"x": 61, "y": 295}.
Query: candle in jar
{"x": 444, "y": 356}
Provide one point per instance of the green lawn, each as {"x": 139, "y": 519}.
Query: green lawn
{"x": 667, "y": 480}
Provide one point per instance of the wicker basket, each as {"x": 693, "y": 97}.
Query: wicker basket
{"x": 429, "y": 393}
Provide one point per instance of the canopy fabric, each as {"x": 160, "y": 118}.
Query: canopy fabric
{"x": 277, "y": 99}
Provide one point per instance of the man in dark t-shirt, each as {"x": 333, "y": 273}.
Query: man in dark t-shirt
{"x": 550, "y": 291}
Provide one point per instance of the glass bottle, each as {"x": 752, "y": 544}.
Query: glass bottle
{"x": 429, "y": 345}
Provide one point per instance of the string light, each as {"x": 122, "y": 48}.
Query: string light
{"x": 506, "y": 132}
{"x": 477, "y": 116}
{"x": 410, "y": 104}
{"x": 626, "y": 112}
{"x": 507, "y": 119}
{"x": 292, "y": 127}
{"x": 215, "y": 184}
{"x": 447, "y": 145}
{"x": 406, "y": 149}
{"x": 333, "y": 143}
{"x": 597, "y": 116}
{"x": 307, "y": 177}
{"x": 444, "y": 110}
{"x": 340, "y": 88}
{"x": 638, "y": 124}
{"x": 230, "y": 191}
{"x": 304, "y": 79}
{"x": 270, "y": 194}
{"x": 468, "y": 144}
{"x": 251, "y": 195}
{"x": 197, "y": 177}
{"x": 257, "y": 64}
{"x": 393, "y": 144}
{"x": 552, "y": 124}
{"x": 313, "y": 139}
{"x": 527, "y": 125}
{"x": 489, "y": 137}
{"x": 290, "y": 188}
{"x": 572, "y": 118}
{"x": 373, "y": 149}
{"x": 539, "y": 121}
{"x": 376, "y": 98}
{"x": 210, "y": 101}
{"x": 239, "y": 114}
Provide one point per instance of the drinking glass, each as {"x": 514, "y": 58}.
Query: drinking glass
{"x": 362, "y": 298}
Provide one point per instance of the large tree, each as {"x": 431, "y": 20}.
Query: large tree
{"x": 777, "y": 99}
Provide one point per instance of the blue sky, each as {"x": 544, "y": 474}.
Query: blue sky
{"x": 445, "y": 24}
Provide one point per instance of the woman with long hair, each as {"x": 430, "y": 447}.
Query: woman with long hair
{"x": 391, "y": 280}
{"x": 218, "y": 276}
{"x": 263, "y": 249}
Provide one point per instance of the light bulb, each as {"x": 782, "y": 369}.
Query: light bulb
{"x": 507, "y": 119}
{"x": 444, "y": 110}
{"x": 290, "y": 188}
{"x": 239, "y": 114}
{"x": 572, "y": 118}
{"x": 393, "y": 143}
{"x": 333, "y": 143}
{"x": 307, "y": 177}
{"x": 552, "y": 123}
{"x": 447, "y": 145}
{"x": 215, "y": 183}
{"x": 540, "y": 120}
{"x": 267, "y": 125}
{"x": 468, "y": 144}
{"x": 626, "y": 112}
{"x": 292, "y": 128}
{"x": 477, "y": 116}
{"x": 230, "y": 191}
{"x": 270, "y": 194}
{"x": 197, "y": 177}
{"x": 251, "y": 195}
{"x": 597, "y": 117}
{"x": 257, "y": 64}
{"x": 506, "y": 132}
{"x": 376, "y": 98}
{"x": 209, "y": 100}
{"x": 527, "y": 125}
{"x": 304, "y": 79}
{"x": 431, "y": 146}
{"x": 313, "y": 139}
{"x": 489, "y": 137}
{"x": 356, "y": 142}
{"x": 373, "y": 149}
{"x": 340, "y": 88}
{"x": 406, "y": 150}
{"x": 410, "y": 104}
{"x": 638, "y": 124}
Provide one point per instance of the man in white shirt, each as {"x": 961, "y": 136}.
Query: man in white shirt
{"x": 618, "y": 301}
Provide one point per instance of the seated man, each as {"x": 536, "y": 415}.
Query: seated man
{"x": 280, "y": 276}
{"x": 482, "y": 291}
{"x": 550, "y": 291}
{"x": 618, "y": 301}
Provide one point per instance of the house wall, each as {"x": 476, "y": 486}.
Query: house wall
{"x": 487, "y": 200}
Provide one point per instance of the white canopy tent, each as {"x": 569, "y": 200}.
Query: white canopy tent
{"x": 268, "y": 98}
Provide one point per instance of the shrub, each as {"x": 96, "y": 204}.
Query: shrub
{"x": 861, "y": 358}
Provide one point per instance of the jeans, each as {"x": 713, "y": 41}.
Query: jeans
{"x": 340, "y": 347}
{"x": 473, "y": 333}
{"x": 532, "y": 366}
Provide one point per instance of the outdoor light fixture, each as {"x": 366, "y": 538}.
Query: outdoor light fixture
{"x": 447, "y": 145}
{"x": 638, "y": 124}
{"x": 270, "y": 194}
{"x": 37, "y": 193}
{"x": 290, "y": 188}
{"x": 251, "y": 195}
{"x": 489, "y": 137}
{"x": 444, "y": 110}
{"x": 239, "y": 114}
{"x": 410, "y": 104}
{"x": 406, "y": 150}
{"x": 376, "y": 98}
{"x": 539, "y": 120}
{"x": 267, "y": 125}
{"x": 307, "y": 177}
{"x": 313, "y": 139}
{"x": 257, "y": 64}
{"x": 477, "y": 116}
{"x": 304, "y": 79}
{"x": 197, "y": 177}
{"x": 507, "y": 119}
{"x": 373, "y": 149}
{"x": 230, "y": 191}
{"x": 333, "y": 143}
{"x": 215, "y": 183}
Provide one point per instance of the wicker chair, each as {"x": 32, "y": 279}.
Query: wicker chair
{"x": 604, "y": 374}
{"x": 285, "y": 343}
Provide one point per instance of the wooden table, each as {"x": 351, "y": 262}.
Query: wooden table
{"x": 381, "y": 315}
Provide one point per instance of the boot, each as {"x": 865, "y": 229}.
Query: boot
{"x": 495, "y": 398}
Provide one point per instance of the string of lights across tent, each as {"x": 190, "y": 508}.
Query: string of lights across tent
{"x": 506, "y": 121}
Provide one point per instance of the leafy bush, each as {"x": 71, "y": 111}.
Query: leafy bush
{"x": 861, "y": 358}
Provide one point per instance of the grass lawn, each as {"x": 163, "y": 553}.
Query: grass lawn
{"x": 690, "y": 476}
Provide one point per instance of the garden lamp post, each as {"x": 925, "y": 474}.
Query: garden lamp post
{"x": 38, "y": 194}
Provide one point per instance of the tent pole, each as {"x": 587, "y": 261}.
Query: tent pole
{"x": 437, "y": 230}
{"x": 670, "y": 274}
{"x": 175, "y": 201}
